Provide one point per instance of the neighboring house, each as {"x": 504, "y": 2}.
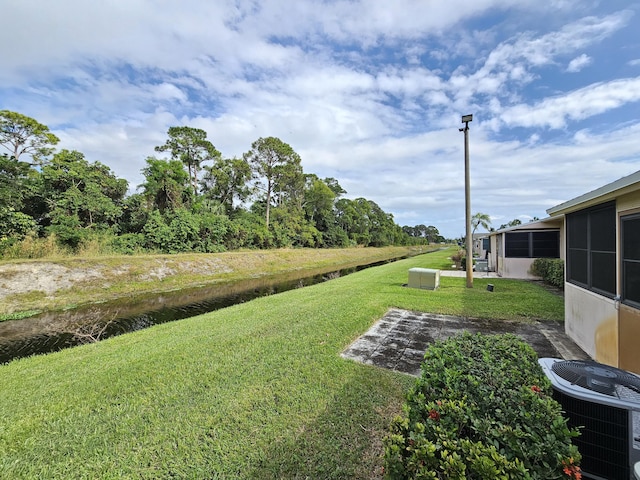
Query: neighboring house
{"x": 480, "y": 245}
{"x": 513, "y": 250}
{"x": 602, "y": 271}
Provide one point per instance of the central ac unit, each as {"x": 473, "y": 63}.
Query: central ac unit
{"x": 604, "y": 403}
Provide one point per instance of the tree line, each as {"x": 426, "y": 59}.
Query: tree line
{"x": 191, "y": 199}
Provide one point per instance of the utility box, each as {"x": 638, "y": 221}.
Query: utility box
{"x": 482, "y": 265}
{"x": 425, "y": 278}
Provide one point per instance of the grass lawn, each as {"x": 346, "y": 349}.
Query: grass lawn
{"x": 257, "y": 390}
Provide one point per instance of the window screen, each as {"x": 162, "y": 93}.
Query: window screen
{"x": 630, "y": 232}
{"x": 517, "y": 244}
{"x": 541, "y": 244}
{"x": 591, "y": 249}
{"x": 603, "y": 267}
{"x": 545, "y": 244}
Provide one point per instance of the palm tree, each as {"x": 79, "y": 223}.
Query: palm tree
{"x": 480, "y": 219}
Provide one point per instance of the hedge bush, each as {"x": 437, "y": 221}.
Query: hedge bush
{"x": 551, "y": 270}
{"x": 481, "y": 409}
{"x": 463, "y": 263}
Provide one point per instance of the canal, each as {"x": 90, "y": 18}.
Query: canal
{"x": 53, "y": 331}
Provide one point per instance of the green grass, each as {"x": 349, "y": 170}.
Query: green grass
{"x": 97, "y": 279}
{"x": 18, "y": 315}
{"x": 257, "y": 390}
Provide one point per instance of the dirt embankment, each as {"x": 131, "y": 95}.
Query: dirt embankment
{"x": 43, "y": 277}
{"x": 45, "y": 285}
{"x": 49, "y": 278}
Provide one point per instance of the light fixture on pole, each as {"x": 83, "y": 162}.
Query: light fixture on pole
{"x": 467, "y": 201}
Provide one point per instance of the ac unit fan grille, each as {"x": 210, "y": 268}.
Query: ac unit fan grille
{"x": 599, "y": 378}
{"x": 603, "y": 430}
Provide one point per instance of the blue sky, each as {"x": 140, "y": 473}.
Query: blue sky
{"x": 368, "y": 92}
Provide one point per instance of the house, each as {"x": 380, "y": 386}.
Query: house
{"x": 602, "y": 271}
{"x": 513, "y": 250}
{"x": 480, "y": 245}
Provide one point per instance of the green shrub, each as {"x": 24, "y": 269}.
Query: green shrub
{"x": 551, "y": 270}
{"x": 248, "y": 231}
{"x": 15, "y": 224}
{"x": 128, "y": 243}
{"x": 481, "y": 410}
{"x": 335, "y": 237}
{"x": 157, "y": 233}
{"x": 68, "y": 230}
{"x": 463, "y": 263}
{"x": 213, "y": 230}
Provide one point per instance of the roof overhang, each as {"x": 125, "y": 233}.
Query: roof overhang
{"x": 549, "y": 223}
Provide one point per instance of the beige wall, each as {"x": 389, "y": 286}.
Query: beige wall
{"x": 507, "y": 267}
{"x": 591, "y": 320}
{"x": 493, "y": 267}
{"x": 629, "y": 201}
{"x": 517, "y": 268}
{"x": 562, "y": 238}
{"x": 628, "y": 317}
{"x": 604, "y": 328}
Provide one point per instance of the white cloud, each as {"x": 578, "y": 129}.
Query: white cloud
{"x": 510, "y": 64}
{"x": 370, "y": 93}
{"x": 579, "y": 63}
{"x": 555, "y": 112}
{"x": 369, "y": 23}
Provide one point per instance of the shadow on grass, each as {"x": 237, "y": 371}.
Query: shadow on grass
{"x": 345, "y": 440}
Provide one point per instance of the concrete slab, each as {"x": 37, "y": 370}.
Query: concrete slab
{"x": 463, "y": 274}
{"x": 399, "y": 339}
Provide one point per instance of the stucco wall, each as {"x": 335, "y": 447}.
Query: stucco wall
{"x": 517, "y": 268}
{"x": 591, "y": 321}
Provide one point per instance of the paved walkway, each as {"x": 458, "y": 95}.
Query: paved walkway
{"x": 398, "y": 340}
{"x": 462, "y": 273}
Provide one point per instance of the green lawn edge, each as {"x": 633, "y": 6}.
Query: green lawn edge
{"x": 257, "y": 390}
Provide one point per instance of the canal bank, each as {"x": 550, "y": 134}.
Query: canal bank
{"x": 57, "y": 284}
{"x": 51, "y": 331}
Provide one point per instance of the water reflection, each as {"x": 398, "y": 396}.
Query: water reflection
{"x": 52, "y": 331}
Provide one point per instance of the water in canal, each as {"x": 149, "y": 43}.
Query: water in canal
{"x": 52, "y": 331}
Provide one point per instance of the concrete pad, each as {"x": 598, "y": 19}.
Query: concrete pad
{"x": 399, "y": 339}
{"x": 463, "y": 274}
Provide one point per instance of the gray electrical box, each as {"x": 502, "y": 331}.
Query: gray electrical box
{"x": 425, "y": 278}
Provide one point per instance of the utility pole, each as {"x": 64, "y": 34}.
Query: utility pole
{"x": 467, "y": 201}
